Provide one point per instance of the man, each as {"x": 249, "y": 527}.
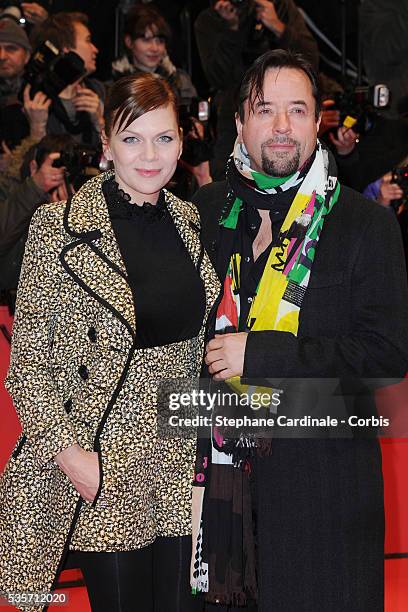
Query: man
{"x": 307, "y": 294}
{"x": 230, "y": 36}
{"x": 15, "y": 52}
{"x": 40, "y": 182}
{"x": 79, "y": 107}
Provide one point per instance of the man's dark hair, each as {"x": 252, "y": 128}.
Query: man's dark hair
{"x": 51, "y": 143}
{"x": 58, "y": 29}
{"x": 253, "y": 80}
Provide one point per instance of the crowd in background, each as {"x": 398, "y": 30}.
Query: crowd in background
{"x": 52, "y": 104}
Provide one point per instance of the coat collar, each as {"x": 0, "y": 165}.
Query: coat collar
{"x": 93, "y": 258}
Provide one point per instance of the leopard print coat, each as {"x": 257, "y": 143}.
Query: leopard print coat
{"x": 76, "y": 376}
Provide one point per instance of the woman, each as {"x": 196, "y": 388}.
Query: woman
{"x": 146, "y": 36}
{"x": 114, "y": 294}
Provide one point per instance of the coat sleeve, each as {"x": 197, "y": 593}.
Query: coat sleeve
{"x": 377, "y": 344}
{"x": 30, "y": 377}
{"x": 297, "y": 35}
{"x": 18, "y": 203}
{"x": 384, "y": 31}
{"x": 220, "y": 50}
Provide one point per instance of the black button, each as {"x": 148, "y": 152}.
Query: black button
{"x": 68, "y": 405}
{"x": 92, "y": 334}
{"x": 83, "y": 372}
{"x": 194, "y": 227}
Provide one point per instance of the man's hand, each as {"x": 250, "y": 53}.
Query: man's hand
{"x": 267, "y": 15}
{"x": 389, "y": 191}
{"x": 228, "y": 12}
{"x": 37, "y": 112}
{"x": 47, "y": 177}
{"x": 33, "y": 12}
{"x": 330, "y": 117}
{"x": 346, "y": 140}
{"x": 82, "y": 468}
{"x": 225, "y": 355}
{"x": 87, "y": 100}
{"x": 61, "y": 193}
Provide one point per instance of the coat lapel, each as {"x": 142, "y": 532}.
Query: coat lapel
{"x": 93, "y": 258}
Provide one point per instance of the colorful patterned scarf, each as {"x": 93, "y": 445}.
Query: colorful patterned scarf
{"x": 283, "y": 285}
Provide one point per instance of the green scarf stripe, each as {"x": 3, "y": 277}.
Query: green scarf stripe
{"x": 299, "y": 270}
{"x": 269, "y": 182}
{"x": 230, "y": 222}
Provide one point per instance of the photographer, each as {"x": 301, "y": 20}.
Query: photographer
{"x": 40, "y": 181}
{"x": 230, "y": 35}
{"x": 78, "y": 110}
{"x": 15, "y": 51}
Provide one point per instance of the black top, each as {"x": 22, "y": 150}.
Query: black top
{"x": 168, "y": 292}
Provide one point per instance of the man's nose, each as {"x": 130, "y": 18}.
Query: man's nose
{"x": 281, "y": 122}
{"x": 3, "y": 53}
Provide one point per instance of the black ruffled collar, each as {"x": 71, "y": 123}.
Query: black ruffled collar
{"x": 120, "y": 205}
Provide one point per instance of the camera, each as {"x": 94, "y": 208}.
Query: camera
{"x": 400, "y": 177}
{"x": 358, "y": 106}
{"x": 51, "y": 71}
{"x": 81, "y": 163}
{"x": 240, "y": 3}
{"x": 195, "y": 149}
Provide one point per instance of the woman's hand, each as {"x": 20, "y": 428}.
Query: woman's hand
{"x": 36, "y": 110}
{"x": 82, "y": 468}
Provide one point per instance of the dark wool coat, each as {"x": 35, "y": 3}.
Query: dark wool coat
{"x": 319, "y": 503}
{"x": 76, "y": 376}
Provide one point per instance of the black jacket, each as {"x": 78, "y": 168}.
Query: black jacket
{"x": 319, "y": 502}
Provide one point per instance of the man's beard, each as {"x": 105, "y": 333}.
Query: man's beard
{"x": 283, "y": 163}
